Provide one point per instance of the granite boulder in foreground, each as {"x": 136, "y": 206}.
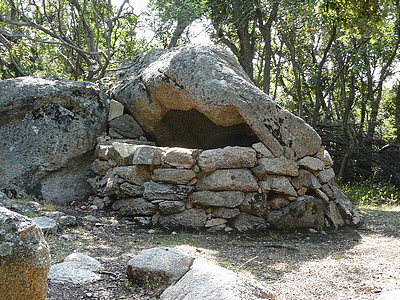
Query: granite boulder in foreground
{"x": 24, "y": 258}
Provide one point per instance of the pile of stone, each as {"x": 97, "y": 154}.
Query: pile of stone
{"x": 242, "y": 188}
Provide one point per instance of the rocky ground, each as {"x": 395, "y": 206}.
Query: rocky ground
{"x": 352, "y": 263}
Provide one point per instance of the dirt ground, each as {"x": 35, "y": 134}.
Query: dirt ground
{"x": 351, "y": 263}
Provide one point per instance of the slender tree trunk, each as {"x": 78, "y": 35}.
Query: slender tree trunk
{"x": 397, "y": 116}
{"x": 349, "y": 101}
{"x": 319, "y": 96}
{"x": 289, "y": 42}
{"x": 265, "y": 30}
{"x": 180, "y": 28}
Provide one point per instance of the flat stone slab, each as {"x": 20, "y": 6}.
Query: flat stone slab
{"x": 158, "y": 191}
{"x": 77, "y": 268}
{"x": 224, "y": 199}
{"x": 227, "y": 158}
{"x": 208, "y": 281}
{"x": 46, "y": 224}
{"x": 229, "y": 180}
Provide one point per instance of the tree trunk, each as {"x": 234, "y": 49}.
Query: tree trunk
{"x": 397, "y": 103}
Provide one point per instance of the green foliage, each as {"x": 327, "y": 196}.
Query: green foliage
{"x": 30, "y": 214}
{"x": 75, "y": 39}
{"x": 49, "y": 207}
{"x": 170, "y": 19}
{"x": 369, "y": 193}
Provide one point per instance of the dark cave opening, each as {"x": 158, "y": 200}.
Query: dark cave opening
{"x": 192, "y": 129}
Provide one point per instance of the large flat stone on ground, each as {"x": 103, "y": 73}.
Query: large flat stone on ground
{"x": 77, "y": 268}
{"x": 158, "y": 267}
{"x": 208, "y": 281}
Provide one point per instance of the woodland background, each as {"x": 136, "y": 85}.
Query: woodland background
{"x": 334, "y": 63}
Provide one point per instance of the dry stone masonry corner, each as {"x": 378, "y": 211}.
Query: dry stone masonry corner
{"x": 218, "y": 189}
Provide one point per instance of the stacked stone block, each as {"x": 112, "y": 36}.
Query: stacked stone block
{"x": 245, "y": 188}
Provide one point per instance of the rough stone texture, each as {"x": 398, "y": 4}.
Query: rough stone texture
{"x": 146, "y": 155}
{"x": 326, "y": 175}
{"x": 24, "y": 258}
{"x": 281, "y": 185}
{"x": 219, "y": 194}
{"x": 120, "y": 152}
{"x": 116, "y": 110}
{"x": 262, "y": 149}
{"x": 130, "y": 190}
{"x": 175, "y": 176}
{"x": 255, "y": 204}
{"x": 276, "y": 166}
{"x": 320, "y": 194}
{"x": 215, "y": 100}
{"x": 46, "y": 224}
{"x": 245, "y": 222}
{"x": 311, "y": 163}
{"x": 134, "y": 207}
{"x": 77, "y": 268}
{"x": 229, "y": 180}
{"x": 48, "y": 129}
{"x": 136, "y": 175}
{"x": 215, "y": 222}
{"x": 306, "y": 212}
{"x": 278, "y": 202}
{"x": 171, "y": 207}
{"x": 325, "y": 157}
{"x": 5, "y": 201}
{"x": 192, "y": 218}
{"x": 225, "y": 198}
{"x": 226, "y": 213}
{"x": 208, "y": 281}
{"x": 158, "y": 191}
{"x": 158, "y": 267}
{"x": 100, "y": 167}
{"x": 345, "y": 207}
{"x": 227, "y": 158}
{"x": 333, "y": 214}
{"x": 126, "y": 126}
{"x": 180, "y": 157}
{"x": 305, "y": 179}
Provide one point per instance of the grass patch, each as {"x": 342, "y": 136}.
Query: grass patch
{"x": 49, "y": 207}
{"x": 368, "y": 193}
{"x": 30, "y": 214}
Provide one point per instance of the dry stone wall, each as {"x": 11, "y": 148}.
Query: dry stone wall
{"x": 242, "y": 188}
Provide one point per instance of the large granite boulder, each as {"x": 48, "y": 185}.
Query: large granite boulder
{"x": 198, "y": 96}
{"x": 158, "y": 267}
{"x": 24, "y": 258}
{"x": 48, "y": 129}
